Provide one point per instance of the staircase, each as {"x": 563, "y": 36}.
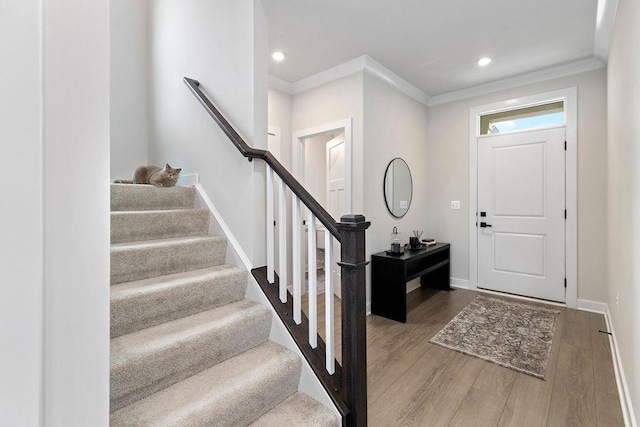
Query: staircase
{"x": 186, "y": 347}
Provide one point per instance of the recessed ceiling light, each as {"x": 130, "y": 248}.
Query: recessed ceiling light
{"x": 483, "y": 62}
{"x": 278, "y": 56}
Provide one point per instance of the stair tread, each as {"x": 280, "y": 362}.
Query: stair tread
{"x": 298, "y": 410}
{"x": 122, "y": 290}
{"x": 126, "y": 197}
{"x": 132, "y": 226}
{"x": 220, "y": 395}
{"x": 151, "y": 359}
{"x": 165, "y": 242}
{"x": 143, "y": 303}
{"x": 159, "y": 211}
{"x": 136, "y": 344}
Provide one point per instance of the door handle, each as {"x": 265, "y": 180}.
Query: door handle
{"x": 484, "y": 225}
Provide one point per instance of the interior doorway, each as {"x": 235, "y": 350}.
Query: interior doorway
{"x": 322, "y": 163}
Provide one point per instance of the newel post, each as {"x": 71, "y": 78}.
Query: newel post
{"x": 354, "y": 329}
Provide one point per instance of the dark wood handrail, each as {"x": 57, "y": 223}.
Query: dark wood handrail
{"x": 348, "y": 386}
{"x": 253, "y": 153}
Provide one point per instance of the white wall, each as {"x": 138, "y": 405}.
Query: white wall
{"x": 221, "y": 44}
{"x": 279, "y": 115}
{"x": 448, "y": 176}
{"x": 129, "y": 75}
{"x": 337, "y": 100}
{"x": 76, "y": 207}
{"x": 55, "y": 307}
{"x": 21, "y": 262}
{"x": 624, "y": 192}
{"x": 394, "y": 126}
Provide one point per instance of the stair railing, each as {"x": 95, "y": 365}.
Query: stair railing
{"x": 346, "y": 384}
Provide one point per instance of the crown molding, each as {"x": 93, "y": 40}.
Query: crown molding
{"x": 356, "y": 65}
{"x": 367, "y": 64}
{"x": 605, "y": 22}
{"x": 378, "y": 70}
{"x": 513, "y": 82}
{"x": 281, "y": 85}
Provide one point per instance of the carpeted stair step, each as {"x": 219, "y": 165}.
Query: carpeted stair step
{"x": 149, "y": 360}
{"x": 232, "y": 393}
{"x": 298, "y": 410}
{"x": 141, "y": 260}
{"x": 135, "y": 226}
{"x": 135, "y": 197}
{"x": 144, "y": 303}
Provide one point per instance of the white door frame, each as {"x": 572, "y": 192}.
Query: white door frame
{"x": 570, "y": 98}
{"x": 297, "y": 154}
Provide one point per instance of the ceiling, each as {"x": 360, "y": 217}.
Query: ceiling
{"x": 434, "y": 45}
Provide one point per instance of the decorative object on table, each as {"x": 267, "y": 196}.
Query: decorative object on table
{"x": 513, "y": 335}
{"x": 414, "y": 241}
{"x": 429, "y": 241}
{"x": 397, "y": 247}
{"x": 398, "y": 187}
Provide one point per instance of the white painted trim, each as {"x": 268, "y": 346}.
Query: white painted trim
{"x": 623, "y": 389}
{"x": 368, "y": 309}
{"x": 309, "y": 383}
{"x": 521, "y": 298}
{"x": 297, "y": 154}
{"x": 224, "y": 227}
{"x": 570, "y": 97}
{"x": 459, "y": 283}
{"x": 413, "y": 285}
{"x": 345, "y": 69}
{"x": 513, "y": 82}
{"x": 356, "y": 65}
{"x": 592, "y": 306}
{"x": 605, "y": 22}
{"x": 279, "y": 84}
{"x": 366, "y": 63}
{"x": 378, "y": 70}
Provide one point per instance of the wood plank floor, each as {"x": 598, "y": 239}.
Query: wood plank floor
{"x": 414, "y": 383}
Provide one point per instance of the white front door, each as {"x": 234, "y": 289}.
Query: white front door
{"x": 521, "y": 213}
{"x": 335, "y": 198}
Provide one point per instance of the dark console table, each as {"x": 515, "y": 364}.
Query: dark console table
{"x": 390, "y": 274}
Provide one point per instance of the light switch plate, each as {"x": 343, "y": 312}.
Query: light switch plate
{"x": 455, "y": 204}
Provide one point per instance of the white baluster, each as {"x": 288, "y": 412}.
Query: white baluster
{"x": 282, "y": 242}
{"x": 328, "y": 302}
{"x": 297, "y": 260}
{"x": 270, "y": 227}
{"x": 313, "y": 292}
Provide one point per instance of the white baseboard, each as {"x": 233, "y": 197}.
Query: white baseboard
{"x": 459, "y": 283}
{"x": 309, "y": 383}
{"x": 621, "y": 381}
{"x": 368, "y": 309}
{"x": 593, "y": 306}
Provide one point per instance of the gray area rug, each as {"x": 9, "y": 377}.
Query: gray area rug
{"x": 512, "y": 335}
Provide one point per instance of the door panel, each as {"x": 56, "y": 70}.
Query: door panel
{"x": 519, "y": 180}
{"x": 521, "y": 191}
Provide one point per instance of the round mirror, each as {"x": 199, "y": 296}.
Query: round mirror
{"x": 398, "y": 187}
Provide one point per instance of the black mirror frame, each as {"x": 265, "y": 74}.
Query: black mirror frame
{"x": 384, "y": 187}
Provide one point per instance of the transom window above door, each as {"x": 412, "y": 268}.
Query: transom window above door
{"x": 527, "y": 118}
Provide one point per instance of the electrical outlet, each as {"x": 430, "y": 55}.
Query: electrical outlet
{"x": 403, "y": 204}
{"x": 617, "y": 300}
{"x": 455, "y": 204}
